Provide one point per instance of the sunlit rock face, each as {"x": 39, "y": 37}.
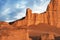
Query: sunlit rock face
{"x": 11, "y": 10}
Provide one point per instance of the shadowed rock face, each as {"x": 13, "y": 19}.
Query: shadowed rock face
{"x": 37, "y": 30}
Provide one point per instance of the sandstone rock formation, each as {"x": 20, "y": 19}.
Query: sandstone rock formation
{"x": 20, "y": 29}
{"x": 51, "y": 16}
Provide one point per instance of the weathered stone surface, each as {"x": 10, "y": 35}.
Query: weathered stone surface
{"x": 42, "y": 28}
{"x": 9, "y": 32}
{"x": 14, "y": 35}
{"x": 18, "y": 30}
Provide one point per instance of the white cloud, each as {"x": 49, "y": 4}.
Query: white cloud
{"x": 23, "y": 2}
{"x": 20, "y": 6}
{"x": 20, "y": 15}
{"x": 40, "y": 8}
{"x": 9, "y": 20}
{"x": 6, "y": 11}
{"x": 41, "y": 0}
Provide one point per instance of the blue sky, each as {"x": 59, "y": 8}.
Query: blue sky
{"x": 11, "y": 10}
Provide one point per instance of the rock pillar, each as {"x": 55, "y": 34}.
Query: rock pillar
{"x": 47, "y": 37}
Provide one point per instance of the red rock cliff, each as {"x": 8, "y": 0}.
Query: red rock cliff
{"x": 51, "y": 16}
